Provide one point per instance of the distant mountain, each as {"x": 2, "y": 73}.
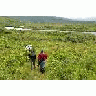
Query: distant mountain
{"x": 90, "y": 19}
{"x": 42, "y": 19}
{"x": 85, "y": 19}
{"x": 51, "y": 19}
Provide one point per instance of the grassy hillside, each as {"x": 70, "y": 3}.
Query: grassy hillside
{"x": 71, "y": 55}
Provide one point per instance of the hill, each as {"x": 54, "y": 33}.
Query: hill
{"x": 42, "y": 19}
{"x": 92, "y": 19}
{"x": 51, "y": 19}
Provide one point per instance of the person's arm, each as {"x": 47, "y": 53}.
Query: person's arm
{"x": 47, "y": 54}
{"x": 38, "y": 57}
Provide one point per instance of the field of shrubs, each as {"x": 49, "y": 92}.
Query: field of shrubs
{"x": 71, "y": 54}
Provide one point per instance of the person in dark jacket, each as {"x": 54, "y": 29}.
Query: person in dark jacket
{"x": 41, "y": 61}
{"x": 32, "y": 56}
{"x": 31, "y": 53}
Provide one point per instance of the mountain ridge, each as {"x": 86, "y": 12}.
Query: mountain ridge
{"x": 51, "y": 19}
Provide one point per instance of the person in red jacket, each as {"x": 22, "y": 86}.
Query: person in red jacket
{"x": 41, "y": 61}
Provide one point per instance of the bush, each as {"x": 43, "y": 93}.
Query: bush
{"x": 79, "y": 37}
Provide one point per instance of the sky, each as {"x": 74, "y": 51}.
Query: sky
{"x": 60, "y": 8}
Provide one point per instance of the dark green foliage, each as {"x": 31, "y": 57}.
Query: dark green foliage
{"x": 79, "y": 37}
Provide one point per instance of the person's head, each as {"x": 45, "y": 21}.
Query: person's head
{"x": 42, "y": 51}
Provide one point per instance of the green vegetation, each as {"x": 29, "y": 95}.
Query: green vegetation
{"x": 71, "y": 54}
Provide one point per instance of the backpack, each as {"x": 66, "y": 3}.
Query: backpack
{"x": 33, "y": 55}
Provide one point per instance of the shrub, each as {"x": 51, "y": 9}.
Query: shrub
{"x": 79, "y": 37}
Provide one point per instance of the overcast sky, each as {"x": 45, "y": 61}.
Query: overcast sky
{"x": 62, "y": 8}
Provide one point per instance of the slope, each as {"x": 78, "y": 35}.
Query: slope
{"x": 43, "y": 19}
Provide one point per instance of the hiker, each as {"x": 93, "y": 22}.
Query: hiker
{"x": 32, "y": 57}
{"x": 31, "y": 54}
{"x": 41, "y": 61}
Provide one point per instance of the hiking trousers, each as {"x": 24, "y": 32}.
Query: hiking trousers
{"x": 42, "y": 66}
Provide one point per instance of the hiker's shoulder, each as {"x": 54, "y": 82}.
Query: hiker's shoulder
{"x": 39, "y": 54}
{"x": 45, "y": 54}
